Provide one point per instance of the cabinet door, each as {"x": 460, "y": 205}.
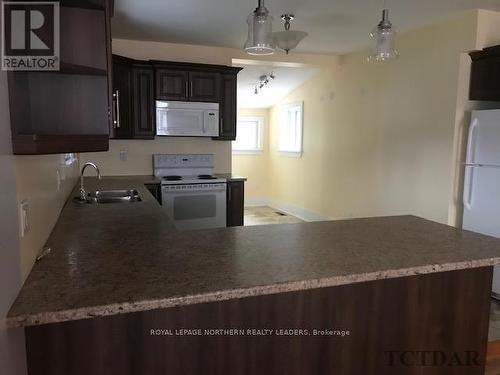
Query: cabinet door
{"x": 65, "y": 111}
{"x": 143, "y": 103}
{"x": 204, "y": 87}
{"x": 122, "y": 106}
{"x": 485, "y": 79}
{"x": 227, "y": 109}
{"x": 172, "y": 85}
{"x": 235, "y": 203}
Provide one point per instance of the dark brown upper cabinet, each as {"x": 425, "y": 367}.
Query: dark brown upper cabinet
{"x": 204, "y": 86}
{"x": 180, "y": 81}
{"x": 485, "y": 75}
{"x": 122, "y": 97}
{"x": 181, "y": 85}
{"x": 227, "y": 107}
{"x": 144, "y": 117}
{"x": 133, "y": 99}
{"x": 67, "y": 110}
{"x": 172, "y": 85}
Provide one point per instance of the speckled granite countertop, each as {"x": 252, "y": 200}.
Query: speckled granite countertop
{"x": 115, "y": 258}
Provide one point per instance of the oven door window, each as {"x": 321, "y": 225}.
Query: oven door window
{"x": 195, "y": 207}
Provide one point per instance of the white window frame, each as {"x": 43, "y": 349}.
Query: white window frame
{"x": 260, "y": 136}
{"x": 284, "y": 116}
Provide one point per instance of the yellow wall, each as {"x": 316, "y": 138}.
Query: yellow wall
{"x": 254, "y": 167}
{"x": 36, "y": 182}
{"x": 12, "y": 346}
{"x": 36, "y": 179}
{"x": 379, "y": 139}
{"x": 139, "y": 160}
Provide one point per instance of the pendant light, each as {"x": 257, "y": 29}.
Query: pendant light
{"x": 384, "y": 40}
{"x": 288, "y": 40}
{"x": 260, "y": 40}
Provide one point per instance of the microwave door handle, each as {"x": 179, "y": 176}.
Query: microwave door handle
{"x": 204, "y": 126}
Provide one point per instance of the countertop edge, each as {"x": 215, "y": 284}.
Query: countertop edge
{"x": 293, "y": 286}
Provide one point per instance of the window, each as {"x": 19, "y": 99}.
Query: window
{"x": 249, "y": 134}
{"x": 290, "y": 139}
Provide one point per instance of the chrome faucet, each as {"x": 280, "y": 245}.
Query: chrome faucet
{"x": 83, "y": 193}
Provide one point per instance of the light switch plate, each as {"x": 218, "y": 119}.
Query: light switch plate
{"x": 59, "y": 179}
{"x": 24, "y": 217}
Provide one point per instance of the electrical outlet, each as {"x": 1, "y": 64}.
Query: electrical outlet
{"x": 123, "y": 155}
{"x": 24, "y": 217}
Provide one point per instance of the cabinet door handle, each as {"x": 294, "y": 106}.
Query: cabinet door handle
{"x": 230, "y": 197}
{"x": 187, "y": 89}
{"x": 191, "y": 87}
{"x": 116, "y": 122}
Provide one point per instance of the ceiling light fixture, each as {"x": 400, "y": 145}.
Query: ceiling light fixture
{"x": 384, "y": 40}
{"x": 263, "y": 81}
{"x": 288, "y": 40}
{"x": 260, "y": 37}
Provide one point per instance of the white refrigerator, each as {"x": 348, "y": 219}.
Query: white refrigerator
{"x": 482, "y": 180}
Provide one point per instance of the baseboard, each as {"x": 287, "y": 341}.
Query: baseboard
{"x": 290, "y": 209}
{"x": 255, "y": 202}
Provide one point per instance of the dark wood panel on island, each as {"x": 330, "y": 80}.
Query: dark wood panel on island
{"x": 235, "y": 203}
{"x": 389, "y": 322}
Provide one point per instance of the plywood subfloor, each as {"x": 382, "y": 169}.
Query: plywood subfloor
{"x": 264, "y": 215}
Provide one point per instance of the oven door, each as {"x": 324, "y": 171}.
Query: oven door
{"x": 195, "y": 206}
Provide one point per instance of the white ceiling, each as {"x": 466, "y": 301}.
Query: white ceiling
{"x": 334, "y": 26}
{"x": 287, "y": 79}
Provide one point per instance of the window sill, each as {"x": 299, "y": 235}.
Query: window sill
{"x": 291, "y": 154}
{"x": 247, "y": 152}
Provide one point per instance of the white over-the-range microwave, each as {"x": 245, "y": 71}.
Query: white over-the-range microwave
{"x": 190, "y": 119}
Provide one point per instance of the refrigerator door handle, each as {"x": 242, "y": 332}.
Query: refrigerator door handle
{"x": 468, "y": 182}
{"x": 471, "y": 143}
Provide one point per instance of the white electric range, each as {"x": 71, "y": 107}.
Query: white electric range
{"x": 192, "y": 196}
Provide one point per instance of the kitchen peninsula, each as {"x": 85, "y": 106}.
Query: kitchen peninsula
{"x": 119, "y": 278}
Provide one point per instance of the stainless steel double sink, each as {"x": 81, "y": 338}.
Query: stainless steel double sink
{"x": 111, "y": 196}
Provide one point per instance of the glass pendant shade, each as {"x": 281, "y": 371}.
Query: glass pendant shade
{"x": 288, "y": 39}
{"x": 384, "y": 41}
{"x": 260, "y": 40}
